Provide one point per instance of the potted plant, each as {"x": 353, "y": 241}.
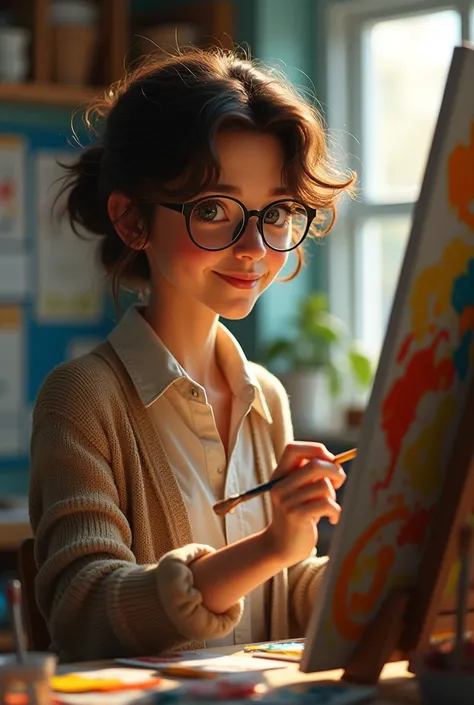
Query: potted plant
{"x": 313, "y": 362}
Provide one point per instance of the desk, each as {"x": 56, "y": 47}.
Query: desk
{"x": 397, "y": 686}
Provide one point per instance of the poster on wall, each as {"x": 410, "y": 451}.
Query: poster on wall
{"x": 11, "y": 380}
{"x": 69, "y": 283}
{"x": 14, "y": 275}
{"x": 12, "y": 188}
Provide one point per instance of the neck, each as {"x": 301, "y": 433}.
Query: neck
{"x": 188, "y": 329}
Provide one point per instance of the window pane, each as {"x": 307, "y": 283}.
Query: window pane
{"x": 381, "y": 245}
{"x": 405, "y": 66}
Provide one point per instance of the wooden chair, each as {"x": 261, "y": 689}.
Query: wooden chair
{"x": 36, "y": 628}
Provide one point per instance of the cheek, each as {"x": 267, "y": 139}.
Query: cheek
{"x": 177, "y": 255}
{"x": 276, "y": 261}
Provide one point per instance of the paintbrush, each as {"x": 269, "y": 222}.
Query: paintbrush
{"x": 14, "y": 600}
{"x": 224, "y": 506}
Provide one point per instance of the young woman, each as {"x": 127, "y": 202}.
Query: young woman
{"x": 209, "y": 171}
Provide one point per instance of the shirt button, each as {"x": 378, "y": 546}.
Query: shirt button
{"x": 194, "y": 393}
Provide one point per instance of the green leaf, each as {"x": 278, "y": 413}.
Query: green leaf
{"x": 310, "y": 310}
{"x": 334, "y": 379}
{"x": 361, "y": 367}
{"x": 327, "y": 327}
{"x": 315, "y": 303}
{"x": 278, "y": 349}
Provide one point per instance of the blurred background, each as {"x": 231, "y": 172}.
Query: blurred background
{"x": 378, "y": 71}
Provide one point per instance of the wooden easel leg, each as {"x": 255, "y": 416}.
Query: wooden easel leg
{"x": 380, "y": 640}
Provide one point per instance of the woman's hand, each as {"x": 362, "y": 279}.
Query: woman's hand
{"x": 307, "y": 493}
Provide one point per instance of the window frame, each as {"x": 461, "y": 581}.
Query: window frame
{"x": 344, "y": 21}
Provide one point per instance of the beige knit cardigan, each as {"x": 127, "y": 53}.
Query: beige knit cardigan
{"x": 113, "y": 537}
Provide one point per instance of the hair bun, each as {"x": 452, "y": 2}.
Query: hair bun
{"x": 86, "y": 202}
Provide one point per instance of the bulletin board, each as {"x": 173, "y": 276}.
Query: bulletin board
{"x": 54, "y": 303}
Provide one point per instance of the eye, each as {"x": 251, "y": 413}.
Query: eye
{"x": 210, "y": 212}
{"x": 277, "y": 215}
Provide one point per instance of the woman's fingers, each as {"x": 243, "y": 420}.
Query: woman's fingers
{"x": 313, "y": 500}
{"x": 300, "y": 452}
{"x": 322, "y": 489}
{"x": 312, "y": 472}
{"x": 319, "y": 508}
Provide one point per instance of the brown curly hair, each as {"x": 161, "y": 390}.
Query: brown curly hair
{"x": 156, "y": 129}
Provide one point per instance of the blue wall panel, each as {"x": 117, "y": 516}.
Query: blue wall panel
{"x": 45, "y": 344}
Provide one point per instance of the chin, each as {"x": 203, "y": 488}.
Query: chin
{"x": 235, "y": 311}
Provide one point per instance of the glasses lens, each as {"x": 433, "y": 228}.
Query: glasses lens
{"x": 216, "y": 223}
{"x": 284, "y": 225}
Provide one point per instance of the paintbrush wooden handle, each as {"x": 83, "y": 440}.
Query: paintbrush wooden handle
{"x": 224, "y": 506}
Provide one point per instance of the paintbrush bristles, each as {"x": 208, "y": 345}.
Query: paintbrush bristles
{"x": 227, "y": 505}
{"x": 14, "y": 599}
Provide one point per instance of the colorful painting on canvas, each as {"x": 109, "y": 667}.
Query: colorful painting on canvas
{"x": 425, "y": 368}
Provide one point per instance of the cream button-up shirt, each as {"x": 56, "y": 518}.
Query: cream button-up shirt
{"x": 185, "y": 423}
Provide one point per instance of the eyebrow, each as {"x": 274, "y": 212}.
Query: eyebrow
{"x": 229, "y": 188}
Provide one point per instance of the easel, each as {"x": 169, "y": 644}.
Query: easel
{"x": 408, "y": 618}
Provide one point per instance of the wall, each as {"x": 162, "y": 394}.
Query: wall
{"x": 286, "y": 37}
{"x": 45, "y": 338}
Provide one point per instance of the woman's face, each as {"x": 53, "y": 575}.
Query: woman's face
{"x": 227, "y": 282}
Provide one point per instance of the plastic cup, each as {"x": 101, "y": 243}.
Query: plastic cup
{"x": 30, "y": 677}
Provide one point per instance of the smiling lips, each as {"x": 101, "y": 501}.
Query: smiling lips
{"x": 241, "y": 280}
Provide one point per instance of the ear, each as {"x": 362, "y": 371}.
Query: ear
{"x": 128, "y": 224}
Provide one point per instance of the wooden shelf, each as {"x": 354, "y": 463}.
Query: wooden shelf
{"x": 52, "y": 94}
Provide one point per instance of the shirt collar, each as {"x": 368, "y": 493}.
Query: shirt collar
{"x": 240, "y": 376}
{"x": 152, "y": 368}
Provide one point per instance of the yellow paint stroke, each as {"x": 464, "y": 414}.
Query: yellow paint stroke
{"x": 344, "y": 621}
{"x": 461, "y": 181}
{"x": 421, "y": 461}
{"x": 431, "y": 293}
{"x": 362, "y": 603}
{"x": 366, "y": 564}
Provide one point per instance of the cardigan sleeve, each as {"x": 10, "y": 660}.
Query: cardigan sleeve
{"x": 304, "y": 583}
{"x": 97, "y": 601}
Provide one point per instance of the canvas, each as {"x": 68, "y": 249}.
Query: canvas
{"x": 418, "y": 396}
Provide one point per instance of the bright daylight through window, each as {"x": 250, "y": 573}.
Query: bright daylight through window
{"x": 387, "y": 66}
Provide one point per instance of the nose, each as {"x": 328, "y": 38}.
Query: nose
{"x": 250, "y": 245}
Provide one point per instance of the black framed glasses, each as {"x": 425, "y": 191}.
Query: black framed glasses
{"x": 218, "y": 222}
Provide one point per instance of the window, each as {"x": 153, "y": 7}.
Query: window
{"x": 387, "y": 65}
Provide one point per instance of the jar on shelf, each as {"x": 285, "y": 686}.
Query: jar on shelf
{"x": 14, "y": 61}
{"x": 75, "y": 40}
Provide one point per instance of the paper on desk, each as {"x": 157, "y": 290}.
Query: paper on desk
{"x": 229, "y": 667}
{"x": 221, "y": 664}
{"x": 104, "y": 680}
{"x": 128, "y": 676}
